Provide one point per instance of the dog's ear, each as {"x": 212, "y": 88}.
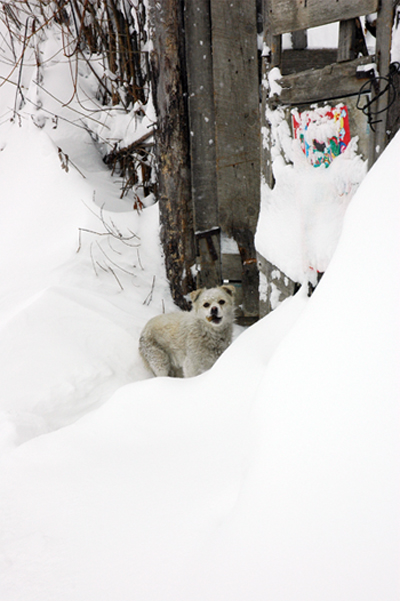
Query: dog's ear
{"x": 229, "y": 289}
{"x": 195, "y": 294}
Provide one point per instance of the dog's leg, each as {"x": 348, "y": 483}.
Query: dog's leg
{"x": 190, "y": 369}
{"x": 155, "y": 358}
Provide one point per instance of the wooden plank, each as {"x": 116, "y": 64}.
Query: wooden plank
{"x": 273, "y": 42}
{"x": 334, "y": 81}
{"x": 299, "y": 39}
{"x": 351, "y": 40}
{"x": 293, "y": 61}
{"x": 347, "y": 41}
{"x": 236, "y": 93}
{"x": 393, "y": 119}
{"x": 268, "y": 62}
{"x": 202, "y": 139}
{"x": 292, "y": 15}
{"x": 384, "y": 26}
{"x": 232, "y": 266}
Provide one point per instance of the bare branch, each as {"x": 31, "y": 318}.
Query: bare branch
{"x": 149, "y": 297}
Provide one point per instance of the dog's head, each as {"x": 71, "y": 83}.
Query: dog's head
{"x": 214, "y": 305}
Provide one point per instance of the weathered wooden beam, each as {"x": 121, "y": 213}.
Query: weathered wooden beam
{"x": 236, "y": 94}
{"x": 199, "y": 69}
{"x": 273, "y": 42}
{"x": 299, "y": 39}
{"x": 393, "y": 118}
{"x": 172, "y": 148}
{"x": 351, "y": 40}
{"x": 347, "y": 41}
{"x": 292, "y": 15}
{"x": 334, "y": 81}
{"x": 270, "y": 58}
{"x": 293, "y": 61}
{"x": 384, "y": 26}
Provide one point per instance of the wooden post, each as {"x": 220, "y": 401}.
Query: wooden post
{"x": 347, "y": 41}
{"x": 383, "y": 45}
{"x": 393, "y": 118}
{"x": 269, "y": 61}
{"x": 236, "y": 93}
{"x": 299, "y": 39}
{"x": 202, "y": 140}
{"x": 172, "y": 147}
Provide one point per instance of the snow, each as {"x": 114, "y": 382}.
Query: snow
{"x": 220, "y": 486}
{"x": 68, "y": 332}
{"x": 301, "y": 217}
{"x": 275, "y": 474}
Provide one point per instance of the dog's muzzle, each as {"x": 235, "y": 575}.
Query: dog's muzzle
{"x": 214, "y": 317}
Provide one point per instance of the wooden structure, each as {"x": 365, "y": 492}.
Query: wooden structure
{"x": 339, "y": 78}
{"x": 206, "y": 85}
{"x": 310, "y": 76}
{"x": 212, "y": 142}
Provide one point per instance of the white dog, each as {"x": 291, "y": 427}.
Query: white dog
{"x": 189, "y": 342}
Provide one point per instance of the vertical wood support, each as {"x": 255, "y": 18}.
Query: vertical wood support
{"x": 299, "y": 39}
{"x": 199, "y": 67}
{"x": 236, "y": 93}
{"x": 347, "y": 41}
{"x": 351, "y": 40}
{"x": 270, "y": 60}
{"x": 393, "y": 118}
{"x": 172, "y": 147}
{"x": 384, "y": 26}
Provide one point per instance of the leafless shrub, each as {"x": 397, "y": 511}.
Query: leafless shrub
{"x": 102, "y": 258}
{"x": 109, "y": 33}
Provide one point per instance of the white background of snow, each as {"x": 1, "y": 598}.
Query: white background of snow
{"x": 273, "y": 475}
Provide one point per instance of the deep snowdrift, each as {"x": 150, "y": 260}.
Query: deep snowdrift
{"x": 68, "y": 332}
{"x": 275, "y": 475}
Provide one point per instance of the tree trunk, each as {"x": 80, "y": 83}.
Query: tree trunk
{"x": 172, "y": 147}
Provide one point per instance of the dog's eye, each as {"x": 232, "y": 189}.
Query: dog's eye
{"x": 221, "y": 302}
{"x": 206, "y": 305}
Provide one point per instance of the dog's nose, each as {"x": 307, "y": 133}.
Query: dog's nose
{"x": 214, "y": 310}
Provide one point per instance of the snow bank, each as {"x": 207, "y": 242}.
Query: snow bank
{"x": 275, "y": 475}
{"x": 318, "y": 514}
{"x": 38, "y": 200}
{"x": 69, "y": 321}
{"x": 118, "y": 504}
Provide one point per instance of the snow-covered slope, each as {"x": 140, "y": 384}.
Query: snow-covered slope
{"x": 273, "y": 476}
{"x": 69, "y": 320}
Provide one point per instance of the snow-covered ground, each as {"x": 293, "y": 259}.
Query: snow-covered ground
{"x": 68, "y": 331}
{"x": 275, "y": 475}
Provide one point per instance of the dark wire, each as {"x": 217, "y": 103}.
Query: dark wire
{"x": 370, "y": 93}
